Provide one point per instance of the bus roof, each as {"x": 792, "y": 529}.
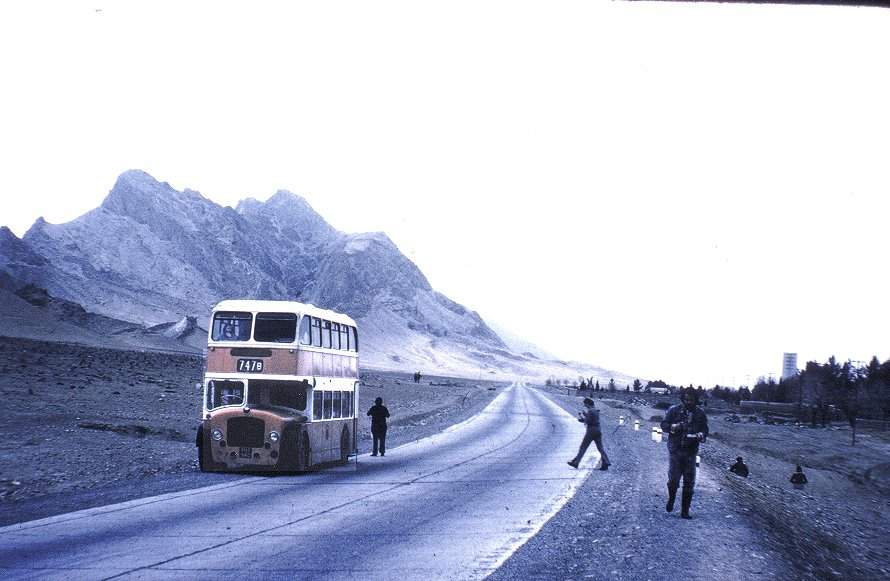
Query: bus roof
{"x": 283, "y": 307}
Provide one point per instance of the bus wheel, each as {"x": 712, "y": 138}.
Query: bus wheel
{"x": 288, "y": 460}
{"x": 344, "y": 446}
{"x": 205, "y": 457}
{"x": 306, "y": 453}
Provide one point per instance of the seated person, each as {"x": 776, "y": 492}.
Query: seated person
{"x": 739, "y": 468}
{"x": 798, "y": 479}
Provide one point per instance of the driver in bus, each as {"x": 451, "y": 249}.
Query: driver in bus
{"x": 231, "y": 396}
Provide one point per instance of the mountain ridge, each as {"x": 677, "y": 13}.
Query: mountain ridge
{"x": 154, "y": 255}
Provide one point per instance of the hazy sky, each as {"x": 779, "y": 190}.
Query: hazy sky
{"x": 675, "y": 191}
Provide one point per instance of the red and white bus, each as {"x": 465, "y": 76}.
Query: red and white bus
{"x": 280, "y": 389}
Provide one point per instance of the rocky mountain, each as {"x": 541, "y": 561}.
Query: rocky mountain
{"x": 161, "y": 258}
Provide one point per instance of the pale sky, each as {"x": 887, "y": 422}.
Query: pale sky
{"x": 675, "y": 191}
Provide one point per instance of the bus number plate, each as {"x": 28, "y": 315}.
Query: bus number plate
{"x": 250, "y": 365}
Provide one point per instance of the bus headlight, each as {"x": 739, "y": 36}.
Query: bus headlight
{"x": 216, "y": 434}
{"x": 273, "y": 436}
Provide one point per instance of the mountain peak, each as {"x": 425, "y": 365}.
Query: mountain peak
{"x": 136, "y": 177}
{"x": 14, "y": 249}
{"x": 287, "y": 209}
{"x": 132, "y": 188}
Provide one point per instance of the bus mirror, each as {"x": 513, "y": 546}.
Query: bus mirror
{"x": 198, "y": 386}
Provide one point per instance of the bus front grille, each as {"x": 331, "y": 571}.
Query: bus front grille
{"x": 245, "y": 432}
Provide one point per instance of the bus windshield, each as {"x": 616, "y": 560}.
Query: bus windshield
{"x": 279, "y": 394}
{"x": 222, "y": 392}
{"x": 229, "y": 326}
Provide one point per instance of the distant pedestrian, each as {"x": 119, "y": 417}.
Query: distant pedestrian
{"x": 687, "y": 426}
{"x": 590, "y": 417}
{"x": 378, "y": 413}
{"x": 739, "y": 468}
{"x": 798, "y": 479}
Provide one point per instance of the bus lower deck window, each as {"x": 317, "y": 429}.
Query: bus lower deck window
{"x": 224, "y": 392}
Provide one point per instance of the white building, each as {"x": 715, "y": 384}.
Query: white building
{"x": 789, "y": 365}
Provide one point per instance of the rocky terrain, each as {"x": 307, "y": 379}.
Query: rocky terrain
{"x": 86, "y": 426}
{"x": 756, "y": 528}
{"x": 151, "y": 255}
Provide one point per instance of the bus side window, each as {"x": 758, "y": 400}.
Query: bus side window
{"x": 316, "y": 332}
{"x": 344, "y": 337}
{"x": 326, "y": 334}
{"x": 347, "y": 404}
{"x": 306, "y": 330}
{"x": 316, "y": 405}
{"x": 335, "y": 335}
{"x": 328, "y": 404}
{"x": 338, "y": 400}
{"x": 353, "y": 339}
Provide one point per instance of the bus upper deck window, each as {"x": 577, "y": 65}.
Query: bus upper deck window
{"x": 316, "y": 332}
{"x": 335, "y": 335}
{"x": 229, "y": 326}
{"x": 306, "y": 330}
{"x": 344, "y": 337}
{"x": 353, "y": 339}
{"x": 326, "y": 334}
{"x": 275, "y": 327}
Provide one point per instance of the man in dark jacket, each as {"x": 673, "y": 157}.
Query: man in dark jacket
{"x": 590, "y": 417}
{"x": 687, "y": 426}
{"x": 378, "y": 413}
{"x": 798, "y": 479}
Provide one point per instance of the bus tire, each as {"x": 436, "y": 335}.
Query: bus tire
{"x": 305, "y": 453}
{"x": 205, "y": 457}
{"x": 290, "y": 453}
{"x": 344, "y": 446}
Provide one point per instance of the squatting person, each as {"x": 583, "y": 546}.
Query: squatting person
{"x": 687, "y": 426}
{"x": 378, "y": 413}
{"x": 590, "y": 416}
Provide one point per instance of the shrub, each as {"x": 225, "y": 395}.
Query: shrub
{"x": 662, "y": 405}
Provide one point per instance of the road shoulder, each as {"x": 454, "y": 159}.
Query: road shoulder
{"x": 616, "y": 526}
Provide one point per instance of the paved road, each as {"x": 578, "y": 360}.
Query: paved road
{"x": 452, "y": 506}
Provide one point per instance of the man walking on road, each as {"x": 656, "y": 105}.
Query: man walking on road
{"x": 688, "y": 427}
{"x": 378, "y": 413}
{"x": 590, "y": 416}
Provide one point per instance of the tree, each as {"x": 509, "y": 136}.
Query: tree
{"x": 637, "y": 385}
{"x": 611, "y": 384}
{"x": 849, "y": 384}
{"x": 598, "y": 388}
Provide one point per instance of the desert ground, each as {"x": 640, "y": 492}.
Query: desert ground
{"x": 759, "y": 527}
{"x": 85, "y": 426}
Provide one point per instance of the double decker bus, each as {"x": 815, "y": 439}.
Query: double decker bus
{"x": 280, "y": 389}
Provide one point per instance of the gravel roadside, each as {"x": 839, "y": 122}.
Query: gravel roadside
{"x": 616, "y": 527}
{"x": 86, "y": 426}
